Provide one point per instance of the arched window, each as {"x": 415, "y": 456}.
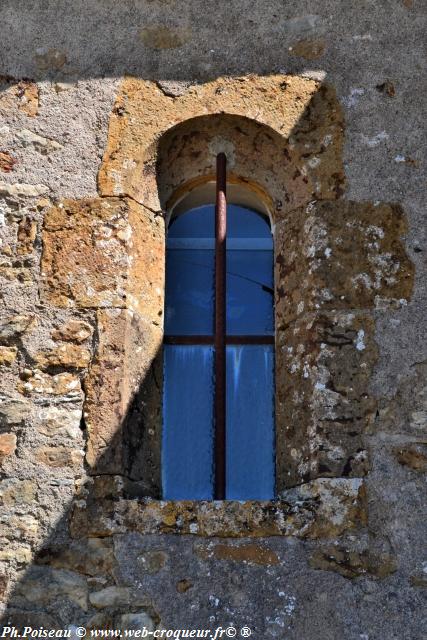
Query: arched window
{"x": 189, "y": 459}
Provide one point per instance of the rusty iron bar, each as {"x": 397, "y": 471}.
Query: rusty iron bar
{"x": 220, "y": 325}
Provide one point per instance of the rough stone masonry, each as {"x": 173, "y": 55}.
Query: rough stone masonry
{"x": 109, "y": 112}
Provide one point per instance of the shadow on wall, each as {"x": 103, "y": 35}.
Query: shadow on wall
{"x": 77, "y": 558}
{"x": 72, "y": 578}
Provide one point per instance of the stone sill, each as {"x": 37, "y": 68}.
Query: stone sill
{"x": 325, "y": 507}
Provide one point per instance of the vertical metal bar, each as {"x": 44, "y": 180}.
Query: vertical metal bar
{"x": 220, "y": 328}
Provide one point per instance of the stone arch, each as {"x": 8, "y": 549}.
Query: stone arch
{"x": 300, "y": 115}
{"x": 256, "y": 159}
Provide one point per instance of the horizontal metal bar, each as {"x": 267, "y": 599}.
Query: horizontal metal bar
{"x": 211, "y": 340}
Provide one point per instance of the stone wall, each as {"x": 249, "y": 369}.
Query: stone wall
{"x": 90, "y": 160}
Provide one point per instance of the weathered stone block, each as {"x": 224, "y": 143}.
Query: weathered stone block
{"x": 42, "y": 384}
{"x": 160, "y": 37}
{"x": 8, "y": 355}
{"x": 319, "y": 509}
{"x": 413, "y": 456}
{"x": 106, "y": 252}
{"x": 323, "y": 367}
{"x": 123, "y": 399}
{"x": 153, "y": 561}
{"x": 54, "y": 421}
{"x": 17, "y": 492}
{"x": 246, "y": 553}
{"x": 7, "y": 162}
{"x": 84, "y": 261}
{"x": 22, "y": 189}
{"x": 20, "y": 555}
{"x": 14, "y": 411}
{"x": 91, "y": 557}
{"x": 51, "y": 59}
{"x": 7, "y": 445}
{"x": 183, "y": 585}
{"x": 419, "y": 579}
{"x": 27, "y": 232}
{"x": 41, "y": 586}
{"x": 20, "y": 527}
{"x": 15, "y": 326}
{"x": 73, "y": 331}
{"x": 111, "y": 597}
{"x": 309, "y": 49}
{"x": 41, "y": 144}
{"x": 70, "y": 356}
{"x": 59, "y": 456}
{"x": 341, "y": 505}
{"x": 336, "y": 255}
{"x": 352, "y": 563}
{"x": 27, "y": 93}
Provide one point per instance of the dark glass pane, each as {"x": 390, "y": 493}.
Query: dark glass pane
{"x": 250, "y": 292}
{"x": 195, "y": 229}
{"x": 187, "y": 449}
{"x": 246, "y": 223}
{"x": 189, "y": 308}
{"x": 190, "y": 273}
{"x": 249, "y": 273}
{"x": 250, "y": 422}
{"x": 195, "y": 223}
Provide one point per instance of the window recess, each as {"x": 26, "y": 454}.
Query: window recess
{"x": 218, "y": 402}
